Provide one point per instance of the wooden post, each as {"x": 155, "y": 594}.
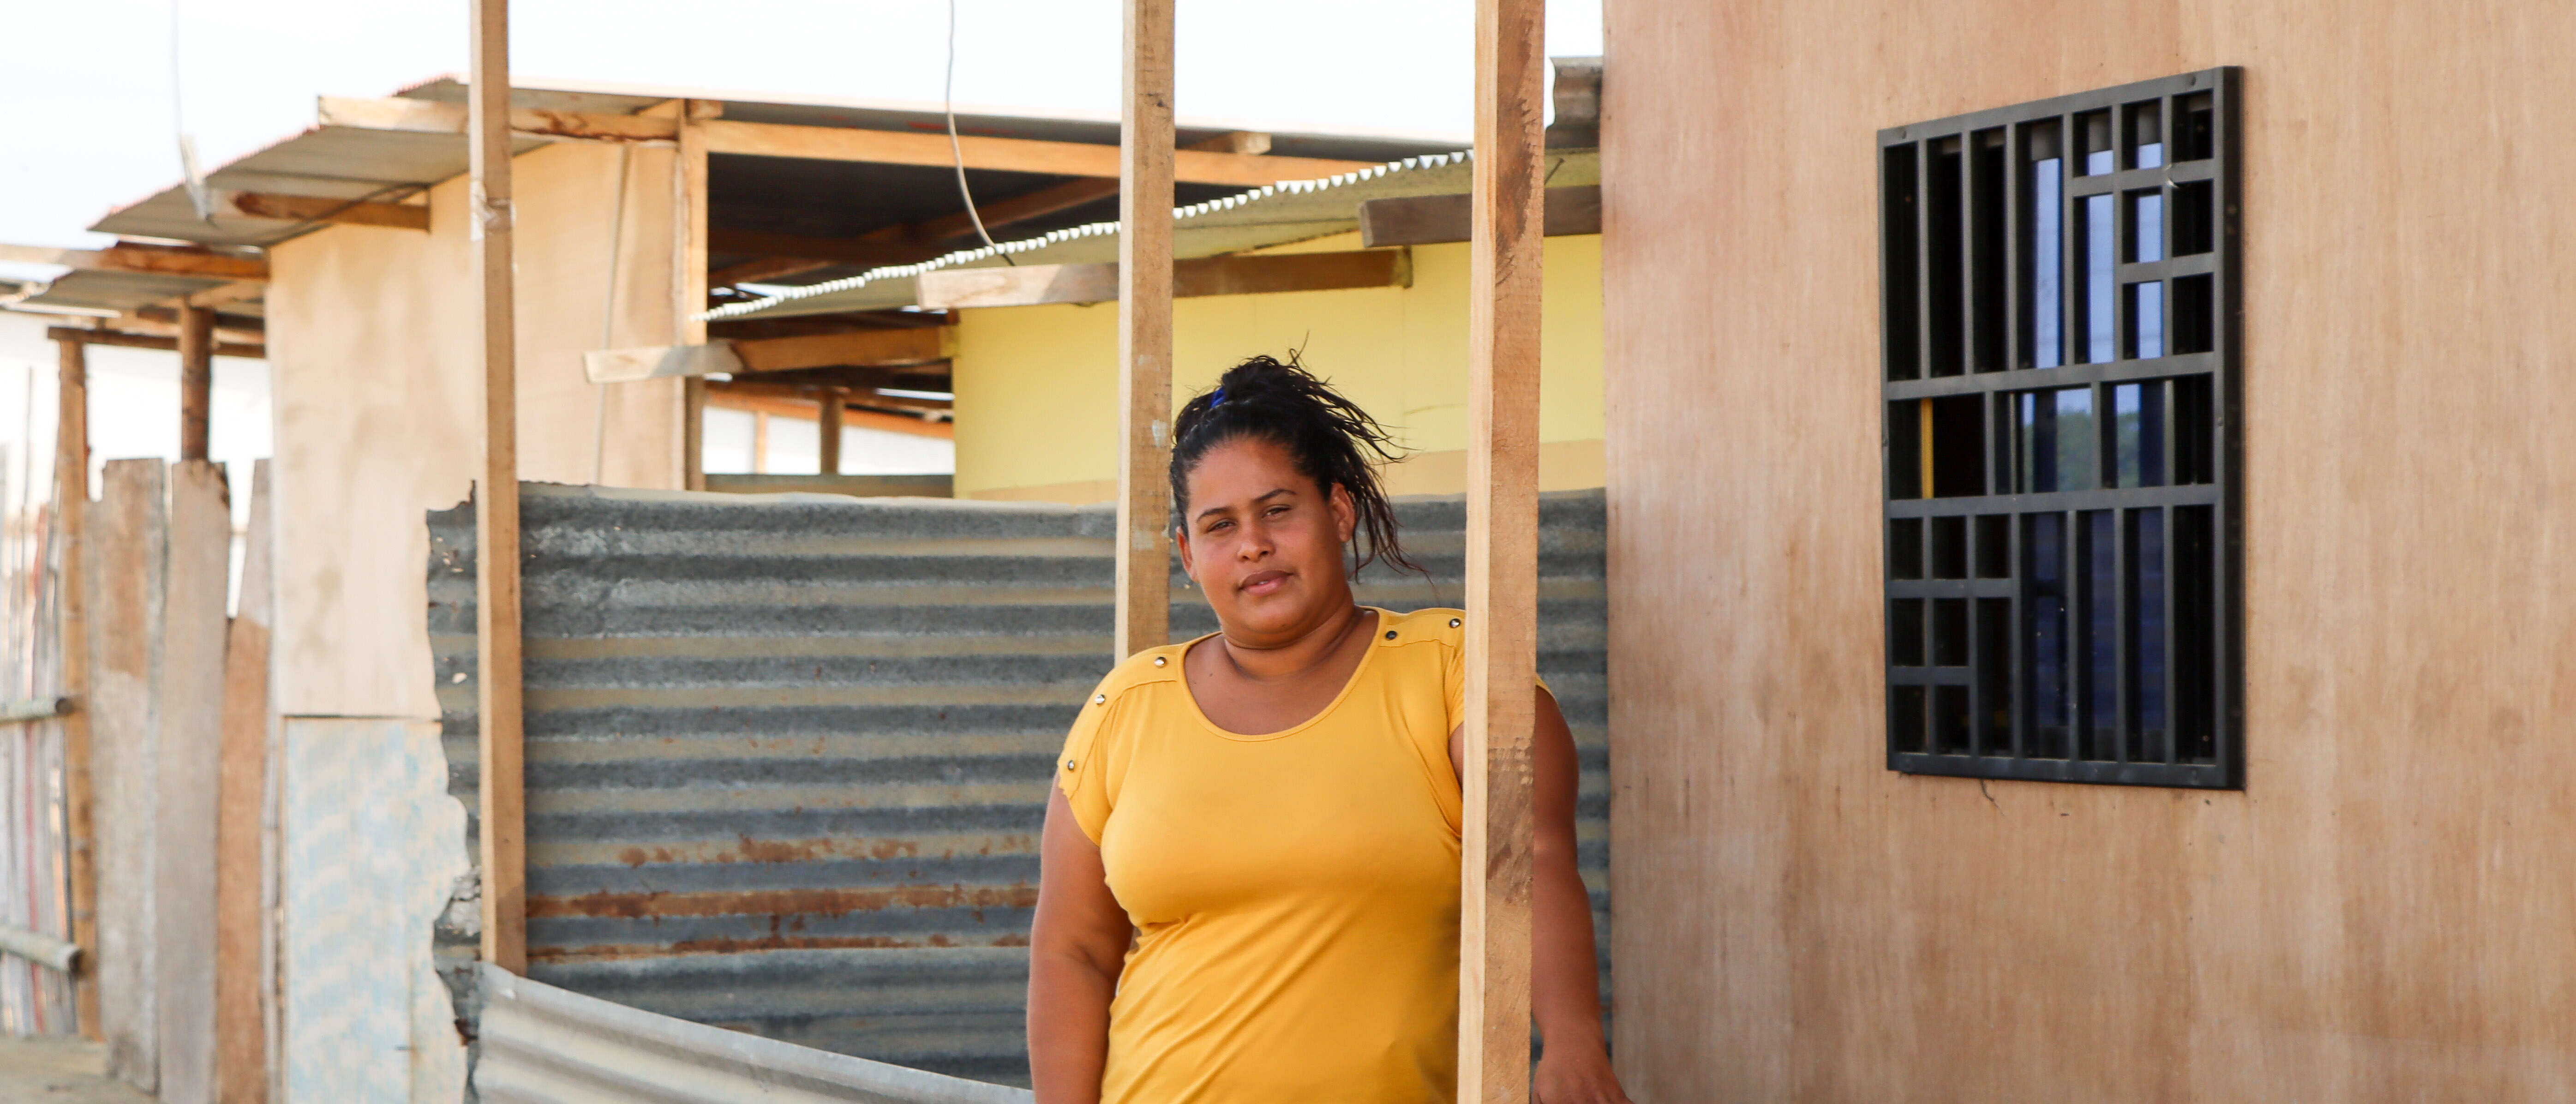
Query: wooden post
{"x": 241, "y": 967}
{"x": 1145, "y": 330}
{"x": 71, "y": 515}
{"x": 827, "y": 422}
{"x": 196, "y": 379}
{"x": 689, "y": 289}
{"x": 187, "y": 758}
{"x": 1502, "y": 554}
{"x": 496, "y": 517}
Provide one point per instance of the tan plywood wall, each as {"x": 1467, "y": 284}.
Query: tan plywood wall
{"x": 2388, "y": 911}
{"x": 371, "y": 346}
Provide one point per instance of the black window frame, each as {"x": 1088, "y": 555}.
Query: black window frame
{"x": 1968, "y": 347}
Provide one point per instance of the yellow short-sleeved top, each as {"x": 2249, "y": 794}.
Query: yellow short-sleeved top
{"x": 1296, "y": 893}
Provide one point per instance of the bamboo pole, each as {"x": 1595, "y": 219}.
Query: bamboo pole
{"x": 71, "y": 512}
{"x": 1502, "y": 554}
{"x": 1145, "y": 329}
{"x": 496, "y": 517}
{"x": 196, "y": 379}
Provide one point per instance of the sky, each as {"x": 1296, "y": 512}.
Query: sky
{"x": 92, "y": 121}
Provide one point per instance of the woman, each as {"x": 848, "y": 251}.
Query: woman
{"x": 1250, "y": 883}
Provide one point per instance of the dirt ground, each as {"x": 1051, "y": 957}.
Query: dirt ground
{"x": 54, "y": 1070}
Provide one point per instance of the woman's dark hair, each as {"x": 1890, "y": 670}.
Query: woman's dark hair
{"x": 1332, "y": 441}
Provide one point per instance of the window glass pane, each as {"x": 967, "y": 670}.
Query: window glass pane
{"x": 2146, "y": 636}
{"x": 2095, "y": 282}
{"x": 1898, "y": 273}
{"x": 2147, "y": 320}
{"x": 2138, "y": 425}
{"x": 1905, "y": 548}
{"x": 1950, "y": 632}
{"x": 2100, "y": 556}
{"x": 1905, "y": 717}
{"x": 1949, "y": 548}
{"x": 2146, "y": 135}
{"x": 2044, "y": 613}
{"x": 1905, "y": 632}
{"x": 1994, "y": 547}
{"x": 2053, "y": 433}
{"x": 2146, "y": 226}
{"x": 2047, "y": 252}
{"x": 1950, "y": 720}
{"x": 2191, "y": 569}
{"x": 1948, "y": 272}
{"x": 1994, "y": 672}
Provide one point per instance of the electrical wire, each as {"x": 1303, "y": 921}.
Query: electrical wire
{"x": 956, "y": 153}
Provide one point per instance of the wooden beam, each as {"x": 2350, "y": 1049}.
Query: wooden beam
{"x": 892, "y": 147}
{"x": 136, "y": 258}
{"x": 71, "y": 514}
{"x": 689, "y": 292}
{"x": 871, "y": 249}
{"x": 855, "y": 349}
{"x": 1030, "y": 285}
{"x": 827, "y": 430}
{"x": 1146, "y": 171}
{"x": 196, "y": 380}
{"x": 1502, "y": 553}
{"x": 782, "y": 402}
{"x": 503, "y": 809}
{"x": 241, "y": 975}
{"x": 434, "y": 117}
{"x": 146, "y": 341}
{"x": 1440, "y": 219}
{"x": 247, "y": 327}
{"x": 347, "y": 212}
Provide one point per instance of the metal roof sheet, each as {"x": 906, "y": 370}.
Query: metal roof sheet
{"x": 1289, "y": 211}
{"x": 787, "y": 756}
{"x": 122, "y": 291}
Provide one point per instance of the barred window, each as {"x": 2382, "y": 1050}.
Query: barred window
{"x": 2061, "y": 322}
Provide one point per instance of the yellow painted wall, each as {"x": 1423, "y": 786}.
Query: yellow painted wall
{"x": 376, "y": 381}
{"x": 1037, "y": 387}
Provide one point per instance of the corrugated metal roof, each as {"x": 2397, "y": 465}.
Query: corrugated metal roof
{"x": 788, "y": 755}
{"x": 1289, "y": 211}
{"x": 351, "y": 163}
{"x": 125, "y": 291}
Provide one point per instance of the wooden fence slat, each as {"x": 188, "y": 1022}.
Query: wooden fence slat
{"x": 1502, "y": 553}
{"x": 503, "y": 830}
{"x": 71, "y": 512}
{"x": 190, "y": 758}
{"x": 241, "y": 964}
{"x": 121, "y": 577}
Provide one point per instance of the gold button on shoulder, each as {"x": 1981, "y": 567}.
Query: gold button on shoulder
{"x": 1161, "y": 660}
{"x": 1068, "y": 764}
{"x": 1100, "y": 699}
{"x": 1454, "y": 622}
{"x": 1390, "y": 634}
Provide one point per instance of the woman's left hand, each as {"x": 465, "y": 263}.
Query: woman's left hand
{"x": 1575, "y": 1075}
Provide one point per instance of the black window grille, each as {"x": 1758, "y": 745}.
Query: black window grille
{"x": 2062, "y": 337}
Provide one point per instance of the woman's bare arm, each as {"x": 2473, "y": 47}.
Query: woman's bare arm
{"x": 1076, "y": 948}
{"x": 1565, "y": 980}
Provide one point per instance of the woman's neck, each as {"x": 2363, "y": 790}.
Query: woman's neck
{"x": 1300, "y": 653}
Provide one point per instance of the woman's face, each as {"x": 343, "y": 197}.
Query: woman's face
{"x": 1264, "y": 542}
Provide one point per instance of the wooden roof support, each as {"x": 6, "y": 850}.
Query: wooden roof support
{"x": 1146, "y": 170}
{"x": 156, "y": 260}
{"x": 196, "y": 380}
{"x": 854, "y": 349}
{"x": 1031, "y": 285}
{"x": 435, "y": 117}
{"x": 502, "y": 809}
{"x": 1502, "y": 553}
{"x": 345, "y": 212}
{"x": 689, "y": 290}
{"x": 147, "y": 341}
{"x": 71, "y": 513}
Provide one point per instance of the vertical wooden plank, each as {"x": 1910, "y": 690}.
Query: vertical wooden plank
{"x": 241, "y": 966}
{"x": 196, "y": 379}
{"x": 827, "y": 424}
{"x": 191, "y": 711}
{"x": 690, "y": 284}
{"x": 1145, "y": 329}
{"x": 496, "y": 518}
{"x": 1502, "y": 554}
{"x": 71, "y": 512}
{"x": 121, "y": 577}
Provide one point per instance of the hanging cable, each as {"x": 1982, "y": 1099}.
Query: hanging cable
{"x": 607, "y": 322}
{"x": 956, "y": 153}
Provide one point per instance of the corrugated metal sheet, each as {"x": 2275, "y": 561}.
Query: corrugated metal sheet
{"x": 1277, "y": 214}
{"x": 787, "y": 756}
{"x": 544, "y": 1045}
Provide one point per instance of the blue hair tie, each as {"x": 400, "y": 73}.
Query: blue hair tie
{"x": 1216, "y": 398}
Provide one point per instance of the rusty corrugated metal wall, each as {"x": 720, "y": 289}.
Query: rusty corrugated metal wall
{"x": 788, "y": 756}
